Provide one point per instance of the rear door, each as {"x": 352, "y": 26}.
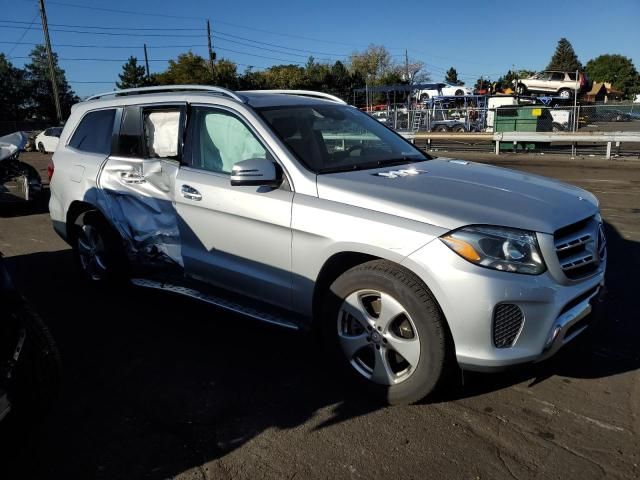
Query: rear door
{"x": 235, "y": 237}
{"x": 136, "y": 181}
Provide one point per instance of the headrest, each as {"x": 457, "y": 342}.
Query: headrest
{"x": 285, "y": 126}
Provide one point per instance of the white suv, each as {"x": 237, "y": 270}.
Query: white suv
{"x": 299, "y": 210}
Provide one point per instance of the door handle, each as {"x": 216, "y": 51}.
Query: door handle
{"x": 134, "y": 177}
{"x": 190, "y": 193}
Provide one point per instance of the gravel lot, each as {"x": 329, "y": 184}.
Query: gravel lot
{"x": 158, "y": 386}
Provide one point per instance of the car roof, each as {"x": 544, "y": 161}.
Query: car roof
{"x": 255, "y": 99}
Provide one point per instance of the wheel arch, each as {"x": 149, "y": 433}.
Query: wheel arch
{"x": 77, "y": 209}
{"x": 340, "y": 262}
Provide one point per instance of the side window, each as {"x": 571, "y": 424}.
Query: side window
{"x": 161, "y": 132}
{"x": 94, "y": 132}
{"x": 220, "y": 140}
{"x": 556, "y": 76}
{"x": 130, "y": 138}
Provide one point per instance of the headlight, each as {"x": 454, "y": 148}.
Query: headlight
{"x": 500, "y": 248}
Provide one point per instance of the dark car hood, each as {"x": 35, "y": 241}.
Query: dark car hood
{"x": 454, "y": 193}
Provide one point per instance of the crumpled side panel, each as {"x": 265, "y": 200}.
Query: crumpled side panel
{"x": 136, "y": 196}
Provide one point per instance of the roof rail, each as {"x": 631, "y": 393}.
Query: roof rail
{"x": 303, "y": 93}
{"x": 169, "y": 88}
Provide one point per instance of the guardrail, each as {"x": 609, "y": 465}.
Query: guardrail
{"x": 607, "y": 138}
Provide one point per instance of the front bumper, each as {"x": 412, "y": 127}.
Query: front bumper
{"x": 554, "y": 312}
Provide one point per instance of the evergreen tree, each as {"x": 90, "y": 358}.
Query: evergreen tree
{"x": 14, "y": 91}
{"x": 564, "y": 58}
{"x": 133, "y": 75}
{"x": 452, "y": 77}
{"x": 41, "y": 102}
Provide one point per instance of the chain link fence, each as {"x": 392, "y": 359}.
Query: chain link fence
{"x": 538, "y": 118}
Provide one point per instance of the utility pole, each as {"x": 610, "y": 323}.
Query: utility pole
{"x": 52, "y": 70}
{"x": 146, "y": 60}
{"x": 406, "y": 70}
{"x": 212, "y": 55}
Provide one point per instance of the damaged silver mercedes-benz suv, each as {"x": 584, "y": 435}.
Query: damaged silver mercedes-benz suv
{"x": 297, "y": 209}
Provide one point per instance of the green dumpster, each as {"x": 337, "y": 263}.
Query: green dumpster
{"x": 523, "y": 118}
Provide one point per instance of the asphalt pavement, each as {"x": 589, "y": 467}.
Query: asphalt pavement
{"x": 157, "y": 386}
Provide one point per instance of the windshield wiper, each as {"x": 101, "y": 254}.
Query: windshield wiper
{"x": 368, "y": 165}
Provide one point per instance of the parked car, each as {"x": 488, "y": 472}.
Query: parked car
{"x": 446, "y": 91}
{"x": 47, "y": 141}
{"x": 30, "y": 367}
{"x": 296, "y": 209}
{"x": 562, "y": 84}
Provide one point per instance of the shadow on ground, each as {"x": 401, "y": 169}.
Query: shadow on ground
{"x": 156, "y": 385}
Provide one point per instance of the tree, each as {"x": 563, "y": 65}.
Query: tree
{"x": 371, "y": 64}
{"x": 564, "y": 58}
{"x": 133, "y": 75}
{"x": 14, "y": 91}
{"x": 616, "y": 69}
{"x": 225, "y": 74}
{"x": 252, "y": 80}
{"x": 482, "y": 84}
{"x": 188, "y": 68}
{"x": 41, "y": 102}
{"x": 451, "y": 77}
{"x": 285, "y": 76}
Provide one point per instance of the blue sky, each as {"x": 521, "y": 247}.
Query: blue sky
{"x": 477, "y": 38}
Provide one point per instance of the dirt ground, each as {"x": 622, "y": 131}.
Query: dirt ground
{"x": 156, "y": 386}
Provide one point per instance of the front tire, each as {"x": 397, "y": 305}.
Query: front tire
{"x": 41, "y": 148}
{"x": 386, "y": 331}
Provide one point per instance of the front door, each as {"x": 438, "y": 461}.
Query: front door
{"x": 238, "y": 238}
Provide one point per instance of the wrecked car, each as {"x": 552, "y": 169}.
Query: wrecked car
{"x": 297, "y": 209}
{"x": 30, "y": 367}
{"x": 19, "y": 181}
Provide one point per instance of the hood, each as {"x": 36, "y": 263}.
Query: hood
{"x": 453, "y": 193}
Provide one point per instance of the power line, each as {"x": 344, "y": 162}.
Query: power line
{"x": 281, "y": 46}
{"x": 26, "y": 30}
{"x": 66, "y": 25}
{"x": 113, "y": 33}
{"x": 129, "y": 12}
{"x": 72, "y": 45}
{"x": 148, "y": 14}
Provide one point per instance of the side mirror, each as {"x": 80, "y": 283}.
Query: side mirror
{"x": 256, "y": 172}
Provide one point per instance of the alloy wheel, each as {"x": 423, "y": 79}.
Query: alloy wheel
{"x": 91, "y": 251}
{"x": 378, "y": 337}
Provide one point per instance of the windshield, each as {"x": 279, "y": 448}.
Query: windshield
{"x": 334, "y": 138}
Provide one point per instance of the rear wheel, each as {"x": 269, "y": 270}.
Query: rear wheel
{"x": 98, "y": 250}
{"x": 386, "y": 331}
{"x": 459, "y": 93}
{"x": 521, "y": 89}
{"x": 459, "y": 128}
{"x": 565, "y": 94}
{"x": 440, "y": 128}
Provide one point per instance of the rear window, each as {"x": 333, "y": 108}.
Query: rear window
{"x": 94, "y": 132}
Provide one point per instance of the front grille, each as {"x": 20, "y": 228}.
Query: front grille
{"x": 507, "y": 323}
{"x": 580, "y": 247}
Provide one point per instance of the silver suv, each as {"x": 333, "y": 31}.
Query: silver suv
{"x": 563, "y": 84}
{"x": 296, "y": 209}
